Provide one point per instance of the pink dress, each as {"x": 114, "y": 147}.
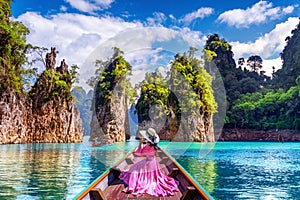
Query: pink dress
{"x": 145, "y": 176}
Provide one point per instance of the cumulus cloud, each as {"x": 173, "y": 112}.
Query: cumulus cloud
{"x": 157, "y": 19}
{"x": 268, "y": 45}
{"x": 146, "y": 48}
{"x": 82, "y": 39}
{"x": 89, "y": 6}
{"x": 75, "y": 36}
{"x": 259, "y": 13}
{"x": 200, "y": 13}
{"x": 63, "y": 8}
{"x": 270, "y": 63}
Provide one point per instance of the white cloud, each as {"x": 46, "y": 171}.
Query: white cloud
{"x": 75, "y": 36}
{"x": 269, "y": 64}
{"x": 172, "y": 17}
{"x": 90, "y": 6}
{"x": 145, "y": 48}
{"x": 259, "y": 13}
{"x": 63, "y": 8}
{"x": 268, "y": 45}
{"x": 200, "y": 13}
{"x": 157, "y": 20}
{"x": 82, "y": 39}
{"x": 289, "y": 9}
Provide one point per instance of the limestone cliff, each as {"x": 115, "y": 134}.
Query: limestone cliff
{"x": 177, "y": 109}
{"x": 110, "y": 108}
{"x": 110, "y": 119}
{"x": 14, "y": 118}
{"x": 56, "y": 119}
{"x": 46, "y": 114}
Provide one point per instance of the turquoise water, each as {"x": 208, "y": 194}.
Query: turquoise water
{"x": 227, "y": 170}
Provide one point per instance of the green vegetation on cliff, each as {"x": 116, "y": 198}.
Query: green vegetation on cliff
{"x": 195, "y": 89}
{"x": 154, "y": 91}
{"x": 111, "y": 75}
{"x": 12, "y": 50}
{"x": 186, "y": 89}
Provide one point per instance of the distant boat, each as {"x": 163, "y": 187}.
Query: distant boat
{"x": 104, "y": 142}
{"x": 108, "y": 186}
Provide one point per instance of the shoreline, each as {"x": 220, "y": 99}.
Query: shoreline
{"x": 244, "y": 135}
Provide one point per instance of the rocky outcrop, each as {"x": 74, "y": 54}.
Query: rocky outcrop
{"x": 110, "y": 109}
{"x": 46, "y": 115}
{"x": 259, "y": 135}
{"x": 189, "y": 129}
{"x": 15, "y": 118}
{"x": 57, "y": 122}
{"x": 110, "y": 118}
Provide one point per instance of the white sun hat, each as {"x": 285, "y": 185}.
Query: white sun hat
{"x": 150, "y": 135}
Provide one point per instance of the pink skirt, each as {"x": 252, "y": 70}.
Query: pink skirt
{"x": 145, "y": 177}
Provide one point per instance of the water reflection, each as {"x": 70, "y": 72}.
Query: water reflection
{"x": 203, "y": 170}
{"x": 226, "y": 170}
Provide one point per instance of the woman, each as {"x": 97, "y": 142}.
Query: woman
{"x": 145, "y": 176}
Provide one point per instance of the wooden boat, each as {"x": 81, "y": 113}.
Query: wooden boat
{"x": 109, "y": 187}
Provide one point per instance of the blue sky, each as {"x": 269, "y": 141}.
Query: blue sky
{"x": 145, "y": 30}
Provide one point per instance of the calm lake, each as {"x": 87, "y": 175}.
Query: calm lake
{"x": 227, "y": 170}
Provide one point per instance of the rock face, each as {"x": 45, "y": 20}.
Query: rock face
{"x": 110, "y": 118}
{"x": 57, "y": 122}
{"x": 259, "y": 135}
{"x": 189, "y": 129}
{"x": 48, "y": 115}
{"x": 110, "y": 109}
{"x": 199, "y": 129}
{"x": 14, "y": 119}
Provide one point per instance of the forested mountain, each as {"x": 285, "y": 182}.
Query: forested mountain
{"x": 83, "y": 101}
{"x": 286, "y": 76}
{"x": 254, "y": 100}
{"x": 237, "y": 80}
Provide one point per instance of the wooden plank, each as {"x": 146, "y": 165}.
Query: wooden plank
{"x": 174, "y": 172}
{"x": 189, "y": 194}
{"x": 97, "y": 194}
{"x": 129, "y": 161}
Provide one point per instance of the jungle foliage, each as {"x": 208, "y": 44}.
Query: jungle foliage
{"x": 112, "y": 77}
{"x": 255, "y": 101}
{"x": 186, "y": 89}
{"x": 13, "y": 49}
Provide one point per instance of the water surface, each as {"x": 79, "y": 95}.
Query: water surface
{"x": 227, "y": 170}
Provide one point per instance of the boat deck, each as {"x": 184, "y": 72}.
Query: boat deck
{"x": 114, "y": 191}
{"x": 109, "y": 187}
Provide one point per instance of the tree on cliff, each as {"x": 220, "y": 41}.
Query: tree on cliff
{"x": 154, "y": 92}
{"x": 12, "y": 50}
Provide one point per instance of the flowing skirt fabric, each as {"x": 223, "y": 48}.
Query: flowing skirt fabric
{"x": 145, "y": 177}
